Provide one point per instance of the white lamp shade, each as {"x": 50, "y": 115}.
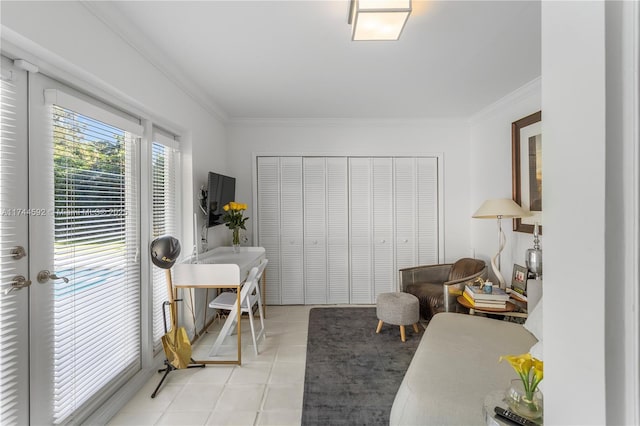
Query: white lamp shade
{"x": 500, "y": 207}
{"x": 379, "y": 19}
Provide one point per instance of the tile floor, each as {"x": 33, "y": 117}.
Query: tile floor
{"x": 265, "y": 390}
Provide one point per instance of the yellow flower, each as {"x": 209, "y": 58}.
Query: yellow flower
{"x": 530, "y": 371}
{"x": 523, "y": 365}
{"x": 520, "y": 363}
{"x": 537, "y": 369}
{"x": 526, "y": 362}
{"x": 234, "y": 219}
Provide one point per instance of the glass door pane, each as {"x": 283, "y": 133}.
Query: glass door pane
{"x": 87, "y": 316}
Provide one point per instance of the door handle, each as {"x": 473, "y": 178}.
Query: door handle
{"x": 18, "y": 252}
{"x": 19, "y": 282}
{"x": 46, "y": 275}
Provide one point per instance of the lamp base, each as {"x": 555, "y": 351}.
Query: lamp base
{"x": 496, "y": 271}
{"x": 495, "y": 260}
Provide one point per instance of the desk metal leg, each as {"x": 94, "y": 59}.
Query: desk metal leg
{"x": 239, "y": 327}
{"x": 206, "y": 306}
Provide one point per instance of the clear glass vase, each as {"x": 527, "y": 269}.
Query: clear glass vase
{"x": 521, "y": 404}
{"x": 235, "y": 241}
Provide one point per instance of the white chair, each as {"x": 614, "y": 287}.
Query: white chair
{"x": 249, "y": 297}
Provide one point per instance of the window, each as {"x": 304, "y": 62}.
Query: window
{"x": 96, "y": 306}
{"x": 165, "y": 161}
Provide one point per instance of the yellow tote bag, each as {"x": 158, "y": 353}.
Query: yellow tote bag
{"x": 177, "y": 347}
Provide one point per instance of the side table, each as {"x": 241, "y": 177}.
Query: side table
{"x": 510, "y": 310}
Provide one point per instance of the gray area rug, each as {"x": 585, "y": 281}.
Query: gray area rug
{"x": 352, "y": 374}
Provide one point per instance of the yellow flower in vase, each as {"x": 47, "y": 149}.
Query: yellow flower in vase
{"x": 235, "y": 220}
{"x": 531, "y": 374}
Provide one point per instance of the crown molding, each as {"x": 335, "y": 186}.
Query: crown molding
{"x": 347, "y": 122}
{"x": 534, "y": 87}
{"x": 116, "y": 22}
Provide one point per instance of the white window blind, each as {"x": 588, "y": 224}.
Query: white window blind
{"x": 165, "y": 160}
{"x": 96, "y": 315}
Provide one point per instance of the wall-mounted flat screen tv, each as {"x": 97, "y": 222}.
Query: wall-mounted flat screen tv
{"x": 222, "y": 190}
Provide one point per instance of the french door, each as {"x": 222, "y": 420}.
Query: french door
{"x": 14, "y": 266}
{"x": 76, "y": 215}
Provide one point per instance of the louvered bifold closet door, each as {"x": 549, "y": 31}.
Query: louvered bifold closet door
{"x": 165, "y": 165}
{"x": 14, "y": 310}
{"x": 383, "y": 235}
{"x": 427, "y": 199}
{"x": 361, "y": 222}
{"x": 315, "y": 225}
{"x": 268, "y": 189}
{"x": 406, "y": 211}
{"x": 291, "y": 231}
{"x": 86, "y": 335}
{"x": 337, "y": 230}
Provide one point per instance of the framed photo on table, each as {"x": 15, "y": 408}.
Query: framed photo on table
{"x": 526, "y": 159}
{"x": 519, "y": 279}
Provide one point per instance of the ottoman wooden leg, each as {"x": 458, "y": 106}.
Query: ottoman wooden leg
{"x": 402, "y": 334}
{"x": 379, "y": 326}
{"x": 415, "y": 327}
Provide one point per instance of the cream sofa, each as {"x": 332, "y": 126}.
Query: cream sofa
{"x": 455, "y": 367}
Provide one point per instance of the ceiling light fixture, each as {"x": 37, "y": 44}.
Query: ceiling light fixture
{"x": 378, "y": 19}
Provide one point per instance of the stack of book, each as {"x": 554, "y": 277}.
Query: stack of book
{"x": 497, "y": 299}
{"x": 515, "y": 294}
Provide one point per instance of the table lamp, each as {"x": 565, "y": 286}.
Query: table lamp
{"x": 499, "y": 208}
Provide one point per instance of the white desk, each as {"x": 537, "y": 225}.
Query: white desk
{"x": 246, "y": 259}
{"x": 222, "y": 277}
{"x": 191, "y": 275}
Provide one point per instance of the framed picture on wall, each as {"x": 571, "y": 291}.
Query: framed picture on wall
{"x": 526, "y": 158}
{"x": 519, "y": 279}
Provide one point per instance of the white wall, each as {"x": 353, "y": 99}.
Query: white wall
{"x": 66, "y": 40}
{"x": 573, "y": 126}
{"x": 358, "y": 137}
{"x": 491, "y": 174}
{"x": 622, "y": 212}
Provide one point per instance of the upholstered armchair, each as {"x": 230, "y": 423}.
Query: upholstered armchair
{"x": 438, "y": 286}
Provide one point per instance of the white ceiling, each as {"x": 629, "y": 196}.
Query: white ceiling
{"x": 295, "y": 59}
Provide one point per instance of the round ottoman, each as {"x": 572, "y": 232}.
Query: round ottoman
{"x": 398, "y": 309}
